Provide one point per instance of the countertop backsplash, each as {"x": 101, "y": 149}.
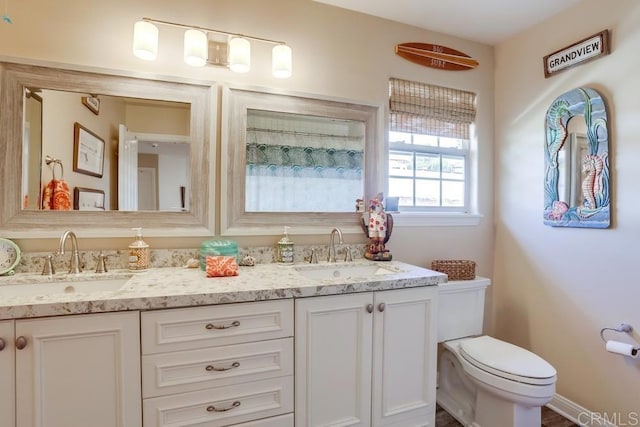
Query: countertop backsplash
{"x": 33, "y": 262}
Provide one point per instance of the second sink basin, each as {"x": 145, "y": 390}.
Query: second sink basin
{"x": 66, "y": 287}
{"x": 343, "y": 271}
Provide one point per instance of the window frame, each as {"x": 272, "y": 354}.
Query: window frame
{"x": 440, "y": 152}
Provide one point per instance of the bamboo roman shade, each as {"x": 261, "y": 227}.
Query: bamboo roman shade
{"x": 425, "y": 109}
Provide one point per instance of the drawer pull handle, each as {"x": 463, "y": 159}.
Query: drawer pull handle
{"x": 213, "y": 368}
{"x": 21, "y": 343}
{"x": 2, "y": 344}
{"x": 369, "y": 308}
{"x": 381, "y": 307}
{"x": 233, "y": 324}
{"x": 212, "y": 408}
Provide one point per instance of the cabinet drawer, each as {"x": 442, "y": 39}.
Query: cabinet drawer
{"x": 200, "y": 327}
{"x": 281, "y": 421}
{"x": 192, "y": 370}
{"x": 221, "y": 406}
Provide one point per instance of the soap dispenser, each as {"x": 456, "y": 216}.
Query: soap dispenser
{"x": 285, "y": 248}
{"x": 138, "y": 253}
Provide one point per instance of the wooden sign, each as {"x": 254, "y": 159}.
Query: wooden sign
{"x": 585, "y": 50}
{"x": 436, "y": 56}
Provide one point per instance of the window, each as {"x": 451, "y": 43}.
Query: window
{"x": 429, "y": 135}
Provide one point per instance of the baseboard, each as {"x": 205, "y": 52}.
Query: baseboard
{"x": 578, "y": 414}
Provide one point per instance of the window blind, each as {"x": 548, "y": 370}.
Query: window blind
{"x": 426, "y": 109}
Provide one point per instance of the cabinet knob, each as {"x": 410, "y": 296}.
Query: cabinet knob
{"x": 369, "y": 308}
{"x": 381, "y": 307}
{"x": 21, "y": 342}
{"x": 2, "y": 344}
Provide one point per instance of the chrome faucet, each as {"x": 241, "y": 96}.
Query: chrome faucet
{"x": 74, "y": 264}
{"x": 332, "y": 245}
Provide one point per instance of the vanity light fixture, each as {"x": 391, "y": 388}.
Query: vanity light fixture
{"x": 145, "y": 40}
{"x": 281, "y": 65}
{"x": 239, "y": 55}
{"x": 199, "y": 50}
{"x": 196, "y": 48}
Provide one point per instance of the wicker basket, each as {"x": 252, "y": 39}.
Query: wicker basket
{"x": 456, "y": 269}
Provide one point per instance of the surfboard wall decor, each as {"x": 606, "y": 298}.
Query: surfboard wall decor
{"x": 436, "y": 56}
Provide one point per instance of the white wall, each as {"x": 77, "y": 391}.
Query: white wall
{"x": 555, "y": 288}
{"x": 172, "y": 174}
{"x": 336, "y": 52}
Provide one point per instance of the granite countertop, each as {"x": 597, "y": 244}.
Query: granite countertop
{"x": 182, "y": 287}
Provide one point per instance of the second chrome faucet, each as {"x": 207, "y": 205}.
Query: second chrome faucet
{"x": 332, "y": 245}
{"x": 74, "y": 263}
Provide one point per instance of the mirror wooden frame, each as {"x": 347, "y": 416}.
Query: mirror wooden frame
{"x": 18, "y": 223}
{"x": 235, "y": 103}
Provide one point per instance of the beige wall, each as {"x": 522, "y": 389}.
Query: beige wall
{"x": 162, "y": 119}
{"x": 555, "y": 288}
{"x": 336, "y": 53}
{"x": 33, "y": 119}
{"x": 60, "y": 111}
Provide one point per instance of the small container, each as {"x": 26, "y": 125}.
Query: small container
{"x": 138, "y": 253}
{"x": 285, "y": 245}
{"x": 217, "y": 247}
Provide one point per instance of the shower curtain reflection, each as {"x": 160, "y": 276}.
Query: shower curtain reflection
{"x": 300, "y": 163}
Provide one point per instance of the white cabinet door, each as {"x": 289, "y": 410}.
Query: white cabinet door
{"x": 333, "y": 360}
{"x": 404, "y": 357}
{"x": 360, "y": 368}
{"x": 7, "y": 377}
{"x": 79, "y": 371}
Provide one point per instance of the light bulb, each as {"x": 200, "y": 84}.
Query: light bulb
{"x": 281, "y": 62}
{"x": 239, "y": 55}
{"x": 145, "y": 40}
{"x": 196, "y": 48}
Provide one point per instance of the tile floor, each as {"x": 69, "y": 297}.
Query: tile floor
{"x": 549, "y": 419}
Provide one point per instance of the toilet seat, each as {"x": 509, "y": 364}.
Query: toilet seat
{"x": 507, "y": 361}
{"x": 510, "y": 386}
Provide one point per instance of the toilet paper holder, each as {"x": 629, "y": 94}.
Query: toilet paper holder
{"x": 622, "y": 328}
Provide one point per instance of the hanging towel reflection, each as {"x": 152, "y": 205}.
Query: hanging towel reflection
{"x": 56, "y": 195}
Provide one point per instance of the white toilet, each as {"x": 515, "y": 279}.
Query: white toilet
{"x": 482, "y": 381}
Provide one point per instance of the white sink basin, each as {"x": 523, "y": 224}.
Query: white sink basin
{"x": 342, "y": 271}
{"x": 66, "y": 287}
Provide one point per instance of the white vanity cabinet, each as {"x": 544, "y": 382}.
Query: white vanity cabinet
{"x": 366, "y": 359}
{"x": 7, "y": 377}
{"x": 72, "y": 371}
{"x": 220, "y": 365}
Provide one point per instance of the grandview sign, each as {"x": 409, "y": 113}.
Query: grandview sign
{"x": 582, "y": 51}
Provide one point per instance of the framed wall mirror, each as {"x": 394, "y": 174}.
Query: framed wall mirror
{"x": 577, "y": 176}
{"x": 296, "y": 160}
{"x": 148, "y": 125}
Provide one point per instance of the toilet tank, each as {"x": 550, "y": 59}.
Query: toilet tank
{"x": 461, "y": 308}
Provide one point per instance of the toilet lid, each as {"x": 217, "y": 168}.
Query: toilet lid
{"x": 507, "y": 360}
